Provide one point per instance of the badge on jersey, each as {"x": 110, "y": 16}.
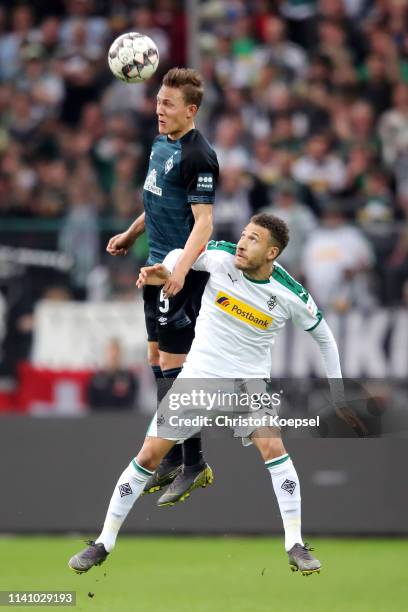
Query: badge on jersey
{"x": 271, "y": 303}
{"x": 168, "y": 165}
{"x": 205, "y": 182}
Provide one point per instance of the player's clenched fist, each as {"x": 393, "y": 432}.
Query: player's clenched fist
{"x": 119, "y": 244}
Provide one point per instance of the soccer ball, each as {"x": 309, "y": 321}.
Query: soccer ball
{"x": 133, "y": 57}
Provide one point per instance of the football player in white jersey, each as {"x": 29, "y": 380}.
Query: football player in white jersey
{"x": 247, "y": 300}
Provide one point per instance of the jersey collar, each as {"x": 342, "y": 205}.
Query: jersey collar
{"x": 257, "y": 282}
{"x": 182, "y": 138}
{"x": 260, "y": 282}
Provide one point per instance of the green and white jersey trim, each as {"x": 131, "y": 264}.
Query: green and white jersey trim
{"x": 222, "y": 245}
{"x": 283, "y": 277}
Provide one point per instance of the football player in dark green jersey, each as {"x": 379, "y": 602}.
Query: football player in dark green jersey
{"x": 178, "y": 195}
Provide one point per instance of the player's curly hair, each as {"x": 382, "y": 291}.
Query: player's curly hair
{"x": 277, "y": 228}
{"x": 189, "y": 81}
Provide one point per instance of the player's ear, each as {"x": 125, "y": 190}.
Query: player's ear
{"x": 191, "y": 110}
{"x": 273, "y": 252}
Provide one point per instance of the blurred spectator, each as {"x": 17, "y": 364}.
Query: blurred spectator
{"x": 46, "y": 87}
{"x": 263, "y": 161}
{"x": 299, "y": 219}
{"x": 22, "y": 21}
{"x": 80, "y": 68}
{"x": 277, "y": 49}
{"x": 393, "y": 126}
{"x": 143, "y": 20}
{"x": 24, "y": 118}
{"x": 50, "y": 195}
{"x": 376, "y": 84}
{"x": 127, "y": 201}
{"x": 230, "y": 152}
{"x": 95, "y": 27}
{"x": 337, "y": 260}
{"x": 233, "y": 209}
{"x": 49, "y": 37}
{"x": 79, "y": 235}
{"x": 113, "y": 387}
{"x": 300, "y": 19}
{"x": 339, "y": 11}
{"x": 332, "y": 43}
{"x": 120, "y": 97}
{"x": 322, "y": 171}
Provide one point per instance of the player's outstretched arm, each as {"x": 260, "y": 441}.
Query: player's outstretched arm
{"x": 200, "y": 235}
{"x": 121, "y": 243}
{"x": 152, "y": 275}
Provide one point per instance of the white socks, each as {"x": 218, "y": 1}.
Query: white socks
{"x": 287, "y": 490}
{"x": 128, "y": 488}
{"x": 131, "y": 483}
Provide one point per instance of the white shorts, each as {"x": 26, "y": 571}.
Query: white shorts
{"x": 192, "y": 403}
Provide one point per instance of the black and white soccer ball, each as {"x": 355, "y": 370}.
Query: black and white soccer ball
{"x": 133, "y": 57}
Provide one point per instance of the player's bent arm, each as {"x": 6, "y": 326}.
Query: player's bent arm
{"x": 137, "y": 228}
{"x": 121, "y": 243}
{"x": 199, "y": 236}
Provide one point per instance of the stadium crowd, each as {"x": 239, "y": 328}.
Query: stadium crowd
{"x": 306, "y": 105}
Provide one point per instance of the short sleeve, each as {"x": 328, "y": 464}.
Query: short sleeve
{"x": 216, "y": 256}
{"x": 171, "y": 259}
{"x": 305, "y": 313}
{"x": 199, "y": 172}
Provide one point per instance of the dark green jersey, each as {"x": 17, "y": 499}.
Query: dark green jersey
{"x": 181, "y": 173}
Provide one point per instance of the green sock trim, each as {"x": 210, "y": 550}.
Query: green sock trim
{"x": 141, "y": 469}
{"x": 274, "y": 462}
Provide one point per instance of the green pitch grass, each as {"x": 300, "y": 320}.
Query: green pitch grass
{"x": 183, "y": 574}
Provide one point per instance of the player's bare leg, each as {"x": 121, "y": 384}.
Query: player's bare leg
{"x": 286, "y": 485}
{"x": 127, "y": 490}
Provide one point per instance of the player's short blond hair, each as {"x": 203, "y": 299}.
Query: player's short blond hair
{"x": 189, "y": 81}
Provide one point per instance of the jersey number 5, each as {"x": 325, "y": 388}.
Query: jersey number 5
{"x": 164, "y": 303}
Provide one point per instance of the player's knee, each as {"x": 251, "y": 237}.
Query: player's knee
{"x": 153, "y": 355}
{"x": 149, "y": 457}
{"x": 270, "y": 448}
{"x": 170, "y": 361}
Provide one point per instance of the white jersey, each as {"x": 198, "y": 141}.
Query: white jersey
{"x": 240, "y": 317}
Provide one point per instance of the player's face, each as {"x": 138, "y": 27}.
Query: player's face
{"x": 174, "y": 115}
{"x": 254, "y": 249}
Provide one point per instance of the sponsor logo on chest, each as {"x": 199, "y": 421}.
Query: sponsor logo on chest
{"x": 242, "y": 311}
{"x": 150, "y": 183}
